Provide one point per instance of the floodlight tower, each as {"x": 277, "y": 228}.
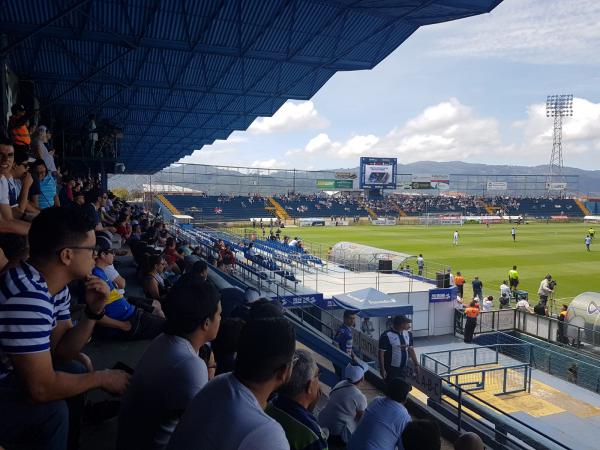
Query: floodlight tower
{"x": 557, "y": 106}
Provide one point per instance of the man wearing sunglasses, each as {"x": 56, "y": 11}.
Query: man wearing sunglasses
{"x": 41, "y": 384}
{"x": 8, "y": 223}
{"x": 19, "y": 184}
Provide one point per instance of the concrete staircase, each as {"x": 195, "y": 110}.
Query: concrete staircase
{"x": 161, "y": 198}
{"x": 279, "y": 210}
{"x": 582, "y": 207}
{"x": 372, "y": 213}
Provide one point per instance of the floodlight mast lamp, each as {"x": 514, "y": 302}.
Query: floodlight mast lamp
{"x": 557, "y": 106}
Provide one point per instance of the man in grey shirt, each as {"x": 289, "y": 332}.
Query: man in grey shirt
{"x": 346, "y": 405}
{"x": 170, "y": 372}
{"x": 228, "y": 414}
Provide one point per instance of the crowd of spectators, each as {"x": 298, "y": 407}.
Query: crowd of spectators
{"x": 321, "y": 203}
{"x": 422, "y": 204}
{"x": 60, "y": 287}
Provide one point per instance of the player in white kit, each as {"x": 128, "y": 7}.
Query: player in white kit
{"x": 455, "y": 238}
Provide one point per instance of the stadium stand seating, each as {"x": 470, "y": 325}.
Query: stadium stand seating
{"x": 232, "y": 208}
{"x": 219, "y": 208}
{"x": 538, "y": 207}
{"x": 593, "y": 206}
{"x": 313, "y": 206}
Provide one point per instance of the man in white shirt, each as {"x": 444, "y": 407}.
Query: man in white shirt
{"x": 504, "y": 289}
{"x": 420, "y": 264}
{"x": 114, "y": 276}
{"x": 8, "y": 224}
{"x": 346, "y": 405}
{"x": 455, "y": 238}
{"x": 228, "y": 413}
{"x": 40, "y": 150}
{"x": 19, "y": 182}
{"x": 488, "y": 303}
{"x": 523, "y": 305}
{"x": 545, "y": 289}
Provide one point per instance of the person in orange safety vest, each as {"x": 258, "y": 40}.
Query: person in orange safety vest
{"x": 18, "y": 127}
{"x": 471, "y": 312}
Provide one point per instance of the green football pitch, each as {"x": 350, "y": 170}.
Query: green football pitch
{"x": 540, "y": 249}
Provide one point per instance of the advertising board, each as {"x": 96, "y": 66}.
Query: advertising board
{"x": 556, "y": 186}
{"x": 378, "y": 173}
{"x": 346, "y": 176}
{"x": 439, "y": 182}
{"x": 331, "y": 184}
{"x": 497, "y": 185}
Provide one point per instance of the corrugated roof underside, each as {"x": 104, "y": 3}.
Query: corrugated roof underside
{"x": 178, "y": 74}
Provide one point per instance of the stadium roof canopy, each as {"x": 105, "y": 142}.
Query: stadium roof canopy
{"x": 178, "y": 74}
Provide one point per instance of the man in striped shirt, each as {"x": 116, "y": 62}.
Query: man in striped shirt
{"x": 38, "y": 339}
{"x": 395, "y": 349}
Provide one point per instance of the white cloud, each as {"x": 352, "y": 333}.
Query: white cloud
{"x": 444, "y": 132}
{"x": 534, "y": 31}
{"x": 290, "y": 117}
{"x": 271, "y": 163}
{"x": 215, "y": 154}
{"x": 358, "y": 145}
{"x": 320, "y": 142}
{"x": 447, "y": 131}
{"x": 581, "y": 133}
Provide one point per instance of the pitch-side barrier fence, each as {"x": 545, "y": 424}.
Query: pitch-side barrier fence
{"x": 482, "y": 368}
{"x": 575, "y": 361}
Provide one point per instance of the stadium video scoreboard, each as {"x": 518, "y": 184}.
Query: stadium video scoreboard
{"x": 378, "y": 173}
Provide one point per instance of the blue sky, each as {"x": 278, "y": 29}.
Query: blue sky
{"x": 471, "y": 90}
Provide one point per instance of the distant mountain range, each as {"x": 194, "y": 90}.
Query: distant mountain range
{"x": 217, "y": 179}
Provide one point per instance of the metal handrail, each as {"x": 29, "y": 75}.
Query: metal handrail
{"x": 463, "y": 392}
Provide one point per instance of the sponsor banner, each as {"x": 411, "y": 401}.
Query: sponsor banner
{"x": 497, "y": 185}
{"x": 442, "y": 295}
{"x": 295, "y": 301}
{"x": 556, "y": 186}
{"x": 346, "y": 176}
{"x": 426, "y": 182}
{"x": 331, "y": 184}
{"x": 378, "y": 173}
{"x": 383, "y": 221}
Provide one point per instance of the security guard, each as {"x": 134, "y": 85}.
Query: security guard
{"x": 471, "y": 312}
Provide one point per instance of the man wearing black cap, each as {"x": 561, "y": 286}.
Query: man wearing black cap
{"x": 170, "y": 373}
{"x": 395, "y": 348}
